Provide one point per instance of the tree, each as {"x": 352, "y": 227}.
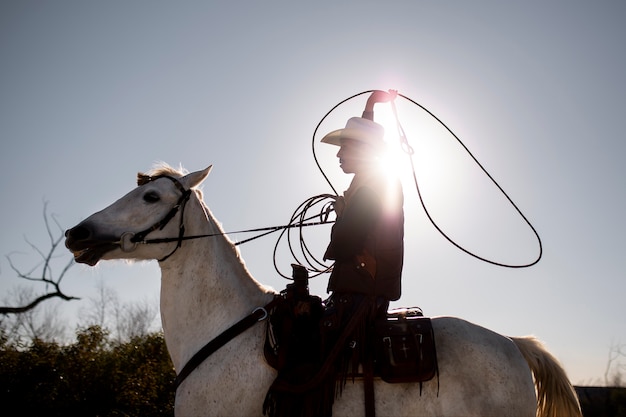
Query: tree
{"x": 125, "y": 320}
{"x": 613, "y": 373}
{"x": 130, "y": 374}
{"x": 43, "y": 323}
{"x": 42, "y": 272}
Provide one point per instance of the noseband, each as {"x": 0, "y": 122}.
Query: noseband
{"x": 129, "y": 240}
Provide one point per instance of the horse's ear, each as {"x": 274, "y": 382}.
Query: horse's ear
{"x": 194, "y": 179}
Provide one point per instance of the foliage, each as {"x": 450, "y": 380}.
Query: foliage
{"x": 94, "y": 376}
{"x": 602, "y": 401}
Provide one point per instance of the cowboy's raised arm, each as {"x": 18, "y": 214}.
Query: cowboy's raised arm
{"x": 377, "y": 96}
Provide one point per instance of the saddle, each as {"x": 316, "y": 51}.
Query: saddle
{"x": 398, "y": 347}
{"x": 403, "y": 341}
{"x": 309, "y": 380}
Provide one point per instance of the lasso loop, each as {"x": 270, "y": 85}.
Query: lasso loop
{"x": 406, "y": 147}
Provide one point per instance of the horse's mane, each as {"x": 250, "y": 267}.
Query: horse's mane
{"x": 160, "y": 169}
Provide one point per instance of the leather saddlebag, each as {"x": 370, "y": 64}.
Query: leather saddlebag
{"x": 405, "y": 349}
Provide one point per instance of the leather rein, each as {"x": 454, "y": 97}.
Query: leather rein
{"x": 128, "y": 240}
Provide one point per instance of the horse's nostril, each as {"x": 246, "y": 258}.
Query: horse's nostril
{"x": 78, "y": 233}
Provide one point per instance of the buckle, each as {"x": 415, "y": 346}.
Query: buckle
{"x": 264, "y": 316}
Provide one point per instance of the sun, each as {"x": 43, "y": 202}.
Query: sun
{"x": 425, "y": 151}
{"x": 395, "y": 162}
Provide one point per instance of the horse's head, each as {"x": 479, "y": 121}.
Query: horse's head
{"x": 155, "y": 207}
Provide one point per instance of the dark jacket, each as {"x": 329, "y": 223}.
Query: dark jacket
{"x": 367, "y": 240}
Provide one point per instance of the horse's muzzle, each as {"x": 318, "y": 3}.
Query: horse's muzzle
{"x": 86, "y": 246}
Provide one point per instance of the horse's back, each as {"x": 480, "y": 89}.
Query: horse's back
{"x": 481, "y": 373}
{"x": 483, "y": 369}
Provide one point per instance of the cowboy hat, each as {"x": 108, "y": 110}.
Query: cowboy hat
{"x": 359, "y": 129}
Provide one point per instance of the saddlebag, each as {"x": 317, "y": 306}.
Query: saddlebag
{"x": 405, "y": 347}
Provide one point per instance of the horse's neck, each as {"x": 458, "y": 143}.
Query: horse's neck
{"x": 205, "y": 288}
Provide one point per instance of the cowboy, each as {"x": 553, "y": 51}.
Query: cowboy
{"x": 367, "y": 246}
{"x": 367, "y": 237}
{"x": 366, "y": 243}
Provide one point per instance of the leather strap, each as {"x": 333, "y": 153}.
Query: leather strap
{"x": 368, "y": 387}
{"x": 259, "y": 314}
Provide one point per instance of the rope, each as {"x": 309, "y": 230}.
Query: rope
{"x": 299, "y": 218}
{"x": 406, "y": 148}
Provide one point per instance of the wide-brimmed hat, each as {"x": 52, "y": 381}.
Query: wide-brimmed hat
{"x": 359, "y": 129}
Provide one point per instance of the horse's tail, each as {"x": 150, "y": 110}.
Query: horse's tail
{"x": 556, "y": 396}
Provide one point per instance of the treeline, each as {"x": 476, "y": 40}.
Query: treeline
{"x": 96, "y": 375}
{"x": 602, "y": 401}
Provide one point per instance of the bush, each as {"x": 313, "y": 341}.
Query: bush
{"x": 91, "y": 377}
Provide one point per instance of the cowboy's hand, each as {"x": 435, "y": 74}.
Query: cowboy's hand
{"x": 339, "y": 205}
{"x": 379, "y": 96}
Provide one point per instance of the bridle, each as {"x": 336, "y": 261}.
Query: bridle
{"x": 128, "y": 241}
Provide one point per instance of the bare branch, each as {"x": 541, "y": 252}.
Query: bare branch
{"x": 614, "y": 367}
{"x": 35, "y": 302}
{"x": 46, "y": 276}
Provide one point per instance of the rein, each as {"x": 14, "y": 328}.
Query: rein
{"x": 267, "y": 230}
{"x": 128, "y": 241}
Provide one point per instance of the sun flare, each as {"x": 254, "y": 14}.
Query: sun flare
{"x": 396, "y": 161}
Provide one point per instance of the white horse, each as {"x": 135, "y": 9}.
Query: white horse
{"x": 205, "y": 288}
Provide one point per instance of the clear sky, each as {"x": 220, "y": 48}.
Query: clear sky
{"x": 92, "y": 92}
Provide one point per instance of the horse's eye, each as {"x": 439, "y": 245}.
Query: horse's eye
{"x": 151, "y": 197}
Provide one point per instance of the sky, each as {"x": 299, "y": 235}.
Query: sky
{"x": 93, "y": 92}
